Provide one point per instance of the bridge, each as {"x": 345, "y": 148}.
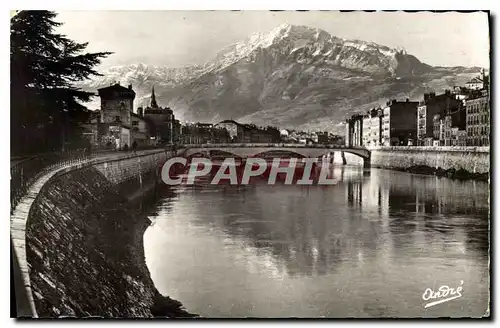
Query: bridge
{"x": 260, "y": 150}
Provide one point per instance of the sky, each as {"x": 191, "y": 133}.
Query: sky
{"x": 181, "y": 38}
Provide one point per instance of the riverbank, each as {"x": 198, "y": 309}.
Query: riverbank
{"x": 464, "y": 163}
{"x": 452, "y": 173}
{"x": 86, "y": 254}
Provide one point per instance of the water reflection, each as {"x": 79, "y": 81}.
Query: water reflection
{"x": 371, "y": 220}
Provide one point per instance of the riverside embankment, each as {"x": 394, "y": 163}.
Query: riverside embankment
{"x": 84, "y": 242}
{"x": 452, "y": 162}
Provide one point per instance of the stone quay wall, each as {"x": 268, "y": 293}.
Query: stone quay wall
{"x": 471, "y": 159}
{"x": 84, "y": 242}
{"x": 132, "y": 175}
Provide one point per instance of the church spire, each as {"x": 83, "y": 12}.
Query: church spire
{"x": 153, "y": 99}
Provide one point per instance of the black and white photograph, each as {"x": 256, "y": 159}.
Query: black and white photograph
{"x": 244, "y": 164}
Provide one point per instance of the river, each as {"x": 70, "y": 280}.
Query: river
{"x": 367, "y": 246}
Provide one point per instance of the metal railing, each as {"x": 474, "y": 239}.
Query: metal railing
{"x": 25, "y": 172}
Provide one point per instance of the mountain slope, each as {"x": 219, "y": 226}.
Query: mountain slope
{"x": 293, "y": 76}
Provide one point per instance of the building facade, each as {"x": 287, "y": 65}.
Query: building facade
{"x": 190, "y": 134}
{"x": 478, "y": 120}
{"x": 177, "y": 131}
{"x": 376, "y": 125}
{"x": 372, "y": 128}
{"x": 399, "y": 123}
{"x": 323, "y": 137}
{"x": 348, "y": 133}
{"x": 461, "y": 138}
{"x": 441, "y": 120}
{"x": 354, "y": 130}
{"x": 203, "y": 133}
{"x": 162, "y": 121}
{"x": 91, "y": 128}
{"x": 475, "y": 84}
{"x": 366, "y": 131}
{"x": 140, "y": 130}
{"x": 117, "y": 102}
{"x": 116, "y": 108}
{"x": 234, "y": 128}
{"x": 432, "y": 105}
{"x": 438, "y": 128}
{"x": 448, "y": 130}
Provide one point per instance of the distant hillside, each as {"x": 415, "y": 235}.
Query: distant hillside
{"x": 293, "y": 76}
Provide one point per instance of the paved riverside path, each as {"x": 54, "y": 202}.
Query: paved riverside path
{"x": 18, "y": 221}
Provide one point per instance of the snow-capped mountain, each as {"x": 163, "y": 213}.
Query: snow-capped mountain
{"x": 139, "y": 74}
{"x": 291, "y": 76}
{"x": 306, "y": 45}
{"x": 143, "y": 77}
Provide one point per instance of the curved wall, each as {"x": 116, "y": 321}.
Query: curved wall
{"x": 84, "y": 242}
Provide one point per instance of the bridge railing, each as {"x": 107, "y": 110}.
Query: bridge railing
{"x": 264, "y": 145}
{"x": 24, "y": 173}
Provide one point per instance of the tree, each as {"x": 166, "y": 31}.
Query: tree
{"x": 45, "y": 106}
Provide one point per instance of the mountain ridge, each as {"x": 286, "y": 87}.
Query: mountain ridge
{"x": 292, "y": 76}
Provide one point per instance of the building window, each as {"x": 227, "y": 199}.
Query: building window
{"x": 135, "y": 123}
{"x": 117, "y": 118}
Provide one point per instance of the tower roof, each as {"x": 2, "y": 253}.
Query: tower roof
{"x": 153, "y": 99}
{"x": 115, "y": 89}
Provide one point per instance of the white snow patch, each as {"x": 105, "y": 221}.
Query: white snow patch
{"x": 297, "y": 48}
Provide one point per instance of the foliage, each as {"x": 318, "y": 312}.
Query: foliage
{"x": 45, "y": 107}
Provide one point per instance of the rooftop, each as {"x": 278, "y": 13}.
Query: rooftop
{"x": 229, "y": 121}
{"x": 475, "y": 80}
{"x": 117, "y": 87}
{"x": 158, "y": 110}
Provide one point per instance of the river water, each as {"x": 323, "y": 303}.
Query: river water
{"x": 368, "y": 246}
